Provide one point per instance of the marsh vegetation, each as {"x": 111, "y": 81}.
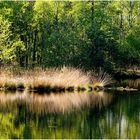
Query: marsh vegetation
{"x": 29, "y": 110}
{"x": 53, "y": 80}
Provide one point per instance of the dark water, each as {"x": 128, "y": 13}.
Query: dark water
{"x": 70, "y": 115}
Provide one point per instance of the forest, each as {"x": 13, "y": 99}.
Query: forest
{"x": 86, "y": 34}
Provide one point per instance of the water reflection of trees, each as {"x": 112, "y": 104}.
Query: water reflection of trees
{"x": 127, "y": 117}
{"x": 120, "y": 120}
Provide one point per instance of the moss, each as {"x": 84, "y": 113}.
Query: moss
{"x": 70, "y": 89}
{"x": 90, "y": 88}
{"x": 20, "y": 87}
{"x": 42, "y": 88}
{"x": 9, "y": 86}
{"x": 79, "y": 88}
{"x": 57, "y": 89}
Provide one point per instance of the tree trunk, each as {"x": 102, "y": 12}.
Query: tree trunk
{"x": 92, "y": 35}
{"x": 92, "y": 13}
{"x": 34, "y": 47}
{"x": 121, "y": 28}
{"x": 130, "y": 14}
{"x": 56, "y": 15}
{"x": 27, "y": 51}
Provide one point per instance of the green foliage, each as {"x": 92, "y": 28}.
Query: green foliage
{"x": 5, "y": 43}
{"x": 84, "y": 34}
{"x": 130, "y": 50}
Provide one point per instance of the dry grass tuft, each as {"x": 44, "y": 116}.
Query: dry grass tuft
{"x": 56, "y": 80}
{"x": 101, "y": 79}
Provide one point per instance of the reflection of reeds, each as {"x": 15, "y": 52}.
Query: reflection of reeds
{"x": 54, "y": 103}
{"x": 131, "y": 83}
{"x": 56, "y": 80}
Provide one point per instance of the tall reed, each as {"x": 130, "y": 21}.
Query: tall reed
{"x": 56, "y": 80}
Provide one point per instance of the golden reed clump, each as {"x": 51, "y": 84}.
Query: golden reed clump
{"x": 52, "y": 80}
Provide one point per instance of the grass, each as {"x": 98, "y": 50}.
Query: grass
{"x": 53, "y": 80}
{"x": 101, "y": 79}
{"x": 131, "y": 83}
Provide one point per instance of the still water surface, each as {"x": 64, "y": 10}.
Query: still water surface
{"x": 70, "y": 115}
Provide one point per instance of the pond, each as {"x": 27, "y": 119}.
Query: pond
{"x": 70, "y": 115}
